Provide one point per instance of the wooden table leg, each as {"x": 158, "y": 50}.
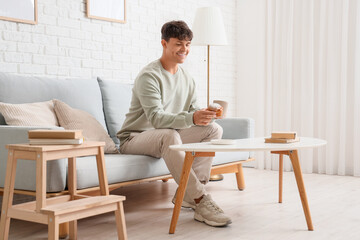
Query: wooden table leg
{"x": 281, "y": 167}
{"x": 189, "y": 159}
{"x": 300, "y": 183}
{"x": 8, "y": 195}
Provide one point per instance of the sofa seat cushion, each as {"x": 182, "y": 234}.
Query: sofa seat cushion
{"x": 119, "y": 168}
{"x": 82, "y": 94}
{"x": 72, "y": 119}
{"x": 124, "y": 167}
{"x": 116, "y": 100}
{"x": 29, "y": 114}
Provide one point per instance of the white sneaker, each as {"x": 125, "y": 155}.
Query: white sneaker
{"x": 187, "y": 202}
{"x": 209, "y": 212}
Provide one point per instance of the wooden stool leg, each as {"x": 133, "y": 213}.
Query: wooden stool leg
{"x": 103, "y": 182}
{"x": 240, "y": 177}
{"x": 72, "y": 185}
{"x": 53, "y": 228}
{"x": 40, "y": 182}
{"x": 281, "y": 167}
{"x": 300, "y": 183}
{"x": 64, "y": 230}
{"x": 72, "y": 178}
{"x": 120, "y": 221}
{"x": 73, "y": 230}
{"x": 8, "y": 195}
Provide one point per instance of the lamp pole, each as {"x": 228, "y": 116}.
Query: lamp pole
{"x": 208, "y": 75}
{"x": 209, "y": 29}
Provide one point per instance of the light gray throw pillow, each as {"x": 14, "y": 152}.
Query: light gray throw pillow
{"x": 116, "y": 98}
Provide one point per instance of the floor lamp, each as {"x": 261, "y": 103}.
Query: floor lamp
{"x": 209, "y": 30}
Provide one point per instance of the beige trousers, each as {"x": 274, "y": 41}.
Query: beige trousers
{"x": 156, "y": 143}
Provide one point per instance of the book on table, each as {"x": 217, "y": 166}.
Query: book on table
{"x": 283, "y": 135}
{"x": 56, "y": 141}
{"x": 281, "y": 140}
{"x": 54, "y": 134}
{"x": 55, "y": 137}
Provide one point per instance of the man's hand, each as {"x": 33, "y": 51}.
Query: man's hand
{"x": 203, "y": 117}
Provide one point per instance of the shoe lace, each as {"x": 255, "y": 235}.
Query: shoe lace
{"x": 214, "y": 206}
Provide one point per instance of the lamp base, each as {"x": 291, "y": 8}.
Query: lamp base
{"x": 217, "y": 177}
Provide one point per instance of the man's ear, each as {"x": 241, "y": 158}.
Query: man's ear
{"x": 163, "y": 43}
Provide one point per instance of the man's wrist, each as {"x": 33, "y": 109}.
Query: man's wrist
{"x": 189, "y": 119}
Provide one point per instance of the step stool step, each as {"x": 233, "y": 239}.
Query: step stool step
{"x": 81, "y": 204}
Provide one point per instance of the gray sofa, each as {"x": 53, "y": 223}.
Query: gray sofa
{"x": 108, "y": 102}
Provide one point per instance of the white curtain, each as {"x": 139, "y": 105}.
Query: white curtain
{"x": 299, "y": 70}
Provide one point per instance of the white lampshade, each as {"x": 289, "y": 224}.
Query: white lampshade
{"x": 208, "y": 27}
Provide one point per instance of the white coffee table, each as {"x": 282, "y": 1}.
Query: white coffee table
{"x": 193, "y": 150}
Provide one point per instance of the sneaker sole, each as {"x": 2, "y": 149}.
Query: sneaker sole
{"x": 200, "y": 218}
{"x": 185, "y": 205}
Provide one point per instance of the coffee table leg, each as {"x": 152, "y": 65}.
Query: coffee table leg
{"x": 281, "y": 167}
{"x": 189, "y": 159}
{"x": 300, "y": 183}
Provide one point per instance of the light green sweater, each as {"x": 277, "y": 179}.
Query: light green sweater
{"x": 160, "y": 100}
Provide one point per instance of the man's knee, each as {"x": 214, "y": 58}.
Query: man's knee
{"x": 216, "y": 130}
{"x": 170, "y": 137}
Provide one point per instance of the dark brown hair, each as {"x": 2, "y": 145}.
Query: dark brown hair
{"x": 176, "y": 29}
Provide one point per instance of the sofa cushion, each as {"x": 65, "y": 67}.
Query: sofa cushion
{"x": 119, "y": 168}
{"x": 116, "y": 100}
{"x": 82, "y": 94}
{"x": 70, "y": 118}
{"x": 29, "y": 114}
{"x": 124, "y": 167}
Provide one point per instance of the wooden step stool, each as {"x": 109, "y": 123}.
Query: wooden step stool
{"x": 66, "y": 208}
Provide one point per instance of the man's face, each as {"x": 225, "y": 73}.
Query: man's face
{"x": 176, "y": 50}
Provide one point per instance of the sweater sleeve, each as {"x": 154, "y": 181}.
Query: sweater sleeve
{"x": 149, "y": 94}
{"x": 194, "y": 104}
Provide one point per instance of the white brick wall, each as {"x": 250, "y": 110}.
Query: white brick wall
{"x": 65, "y": 43}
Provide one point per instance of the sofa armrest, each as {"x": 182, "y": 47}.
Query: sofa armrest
{"x": 26, "y": 170}
{"x": 236, "y": 128}
{"x": 17, "y": 134}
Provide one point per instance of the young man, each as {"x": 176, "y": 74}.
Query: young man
{"x": 163, "y": 112}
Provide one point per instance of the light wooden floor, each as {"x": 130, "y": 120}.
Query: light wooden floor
{"x": 334, "y": 203}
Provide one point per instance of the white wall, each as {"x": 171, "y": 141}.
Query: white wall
{"x": 65, "y": 43}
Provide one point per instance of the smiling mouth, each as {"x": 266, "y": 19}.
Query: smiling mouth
{"x": 181, "y": 54}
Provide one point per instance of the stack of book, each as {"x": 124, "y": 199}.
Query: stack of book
{"x": 282, "y": 137}
{"x": 55, "y": 137}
